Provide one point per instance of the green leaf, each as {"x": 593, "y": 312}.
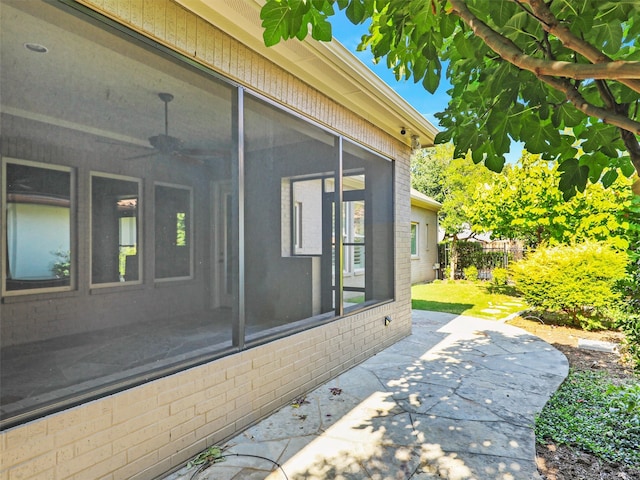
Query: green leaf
{"x": 573, "y": 177}
{"x": 626, "y": 167}
{"x": 419, "y": 68}
{"x": 609, "y": 177}
{"x": 356, "y": 12}
{"x": 321, "y": 27}
{"x": 448, "y": 24}
{"x": 463, "y": 45}
{"x": 596, "y": 162}
{"x": 609, "y": 35}
{"x": 497, "y": 124}
{"x": 495, "y": 163}
{"x": 566, "y": 115}
{"x": 432, "y": 77}
{"x": 502, "y": 12}
{"x": 539, "y": 137}
{"x": 442, "y": 137}
{"x": 274, "y": 21}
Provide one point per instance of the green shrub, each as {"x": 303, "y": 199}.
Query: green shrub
{"x": 577, "y": 280}
{"x": 447, "y": 273}
{"x": 471, "y": 273}
{"x": 499, "y": 276}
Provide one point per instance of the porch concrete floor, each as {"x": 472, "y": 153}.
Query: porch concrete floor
{"x": 454, "y": 400}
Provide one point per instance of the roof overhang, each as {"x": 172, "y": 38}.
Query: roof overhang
{"x": 326, "y": 66}
{"x": 419, "y": 199}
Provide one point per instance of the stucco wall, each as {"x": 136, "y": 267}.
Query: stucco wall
{"x": 147, "y": 430}
{"x": 427, "y": 254}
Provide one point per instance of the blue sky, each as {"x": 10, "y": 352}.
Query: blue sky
{"x": 424, "y": 102}
{"x": 427, "y": 104}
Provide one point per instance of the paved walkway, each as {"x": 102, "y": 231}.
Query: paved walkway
{"x": 454, "y": 400}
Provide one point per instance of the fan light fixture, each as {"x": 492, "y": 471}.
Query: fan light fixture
{"x": 36, "y": 47}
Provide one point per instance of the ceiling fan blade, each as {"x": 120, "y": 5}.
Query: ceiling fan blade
{"x": 111, "y": 142}
{"x": 201, "y": 152}
{"x": 144, "y": 155}
{"x": 188, "y": 159}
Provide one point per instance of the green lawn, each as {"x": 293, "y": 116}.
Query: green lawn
{"x": 479, "y": 299}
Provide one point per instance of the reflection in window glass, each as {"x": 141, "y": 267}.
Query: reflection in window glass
{"x": 117, "y": 325}
{"x": 367, "y": 227}
{"x": 288, "y": 275}
{"x": 38, "y": 232}
{"x": 172, "y": 219}
{"x": 353, "y": 235}
{"x": 114, "y": 230}
{"x": 307, "y": 215}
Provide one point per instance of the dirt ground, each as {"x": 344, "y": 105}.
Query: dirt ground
{"x": 559, "y": 462}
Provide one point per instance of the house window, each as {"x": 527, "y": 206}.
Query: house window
{"x": 115, "y": 251}
{"x": 37, "y": 224}
{"x": 414, "y": 240}
{"x": 172, "y": 232}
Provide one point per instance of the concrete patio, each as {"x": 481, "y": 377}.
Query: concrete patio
{"x": 454, "y": 400}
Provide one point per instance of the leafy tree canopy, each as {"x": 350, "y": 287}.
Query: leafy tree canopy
{"x": 525, "y": 203}
{"x": 451, "y": 181}
{"x": 428, "y": 168}
{"x": 561, "y": 76}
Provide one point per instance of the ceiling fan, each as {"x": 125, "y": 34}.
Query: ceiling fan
{"x": 165, "y": 144}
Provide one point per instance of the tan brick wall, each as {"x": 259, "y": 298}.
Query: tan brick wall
{"x": 142, "y": 432}
{"x": 422, "y": 265}
{"x": 147, "y": 430}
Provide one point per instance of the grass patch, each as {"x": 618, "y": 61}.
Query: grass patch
{"x": 589, "y": 413}
{"x": 476, "y": 299}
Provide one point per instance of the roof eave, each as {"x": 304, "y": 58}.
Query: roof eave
{"x": 326, "y": 66}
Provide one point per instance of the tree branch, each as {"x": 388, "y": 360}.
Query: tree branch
{"x": 633, "y": 147}
{"x": 614, "y": 70}
{"x": 551, "y": 25}
{"x": 578, "y": 101}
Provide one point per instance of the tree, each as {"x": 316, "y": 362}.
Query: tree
{"x": 428, "y": 168}
{"x": 563, "y": 77}
{"x": 525, "y": 203}
{"x": 452, "y": 182}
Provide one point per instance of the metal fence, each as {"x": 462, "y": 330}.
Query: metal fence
{"x": 485, "y": 258}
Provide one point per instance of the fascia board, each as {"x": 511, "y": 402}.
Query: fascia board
{"x": 419, "y": 199}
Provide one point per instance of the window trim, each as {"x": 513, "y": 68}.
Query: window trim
{"x": 72, "y": 228}
{"x": 415, "y": 252}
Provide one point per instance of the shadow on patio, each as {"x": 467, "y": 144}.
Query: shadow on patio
{"x": 454, "y": 400}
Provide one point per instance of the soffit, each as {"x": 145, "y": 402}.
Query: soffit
{"x": 327, "y": 66}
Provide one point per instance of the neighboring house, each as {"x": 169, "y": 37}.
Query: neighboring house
{"x": 175, "y": 200}
{"x": 424, "y": 241}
